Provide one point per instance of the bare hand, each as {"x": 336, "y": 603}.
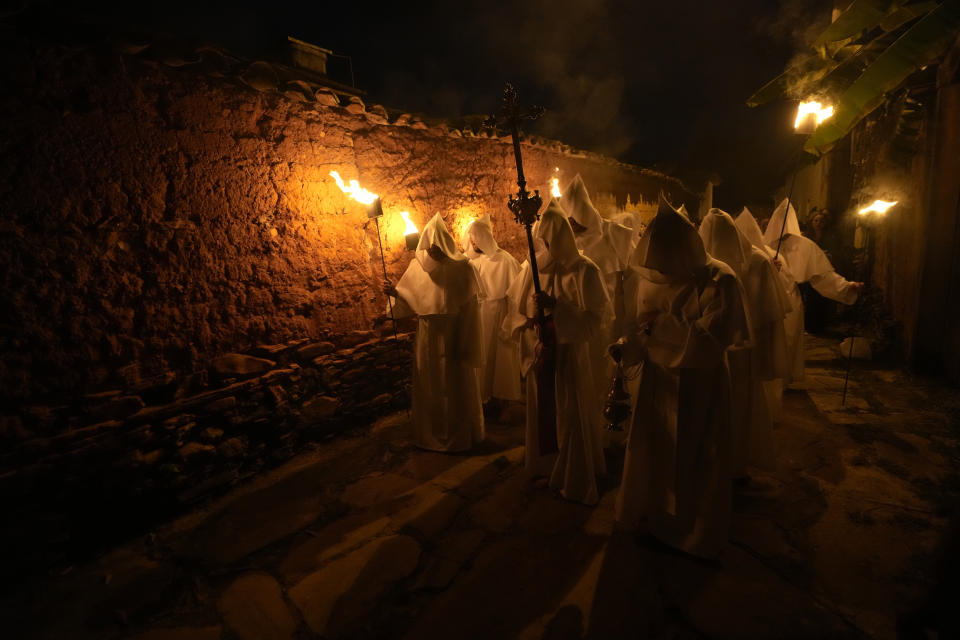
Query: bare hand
{"x": 389, "y": 289}
{"x": 436, "y": 253}
{"x": 544, "y": 301}
{"x": 857, "y": 286}
{"x": 778, "y": 264}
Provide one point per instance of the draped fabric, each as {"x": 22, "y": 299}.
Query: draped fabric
{"x": 430, "y": 287}
{"x": 793, "y": 322}
{"x": 751, "y": 425}
{"x": 581, "y": 302}
{"x": 445, "y": 294}
{"x": 682, "y": 318}
{"x": 608, "y": 246}
{"x": 808, "y": 262}
{"x": 593, "y": 242}
{"x": 496, "y": 269}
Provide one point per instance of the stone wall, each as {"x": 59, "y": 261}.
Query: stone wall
{"x": 168, "y": 218}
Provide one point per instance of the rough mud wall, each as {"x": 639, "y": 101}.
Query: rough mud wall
{"x": 156, "y": 216}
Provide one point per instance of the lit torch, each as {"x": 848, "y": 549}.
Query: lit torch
{"x": 410, "y": 233}
{"x": 375, "y": 211}
{"x": 810, "y": 115}
{"x": 878, "y": 206}
{"x": 555, "y": 188}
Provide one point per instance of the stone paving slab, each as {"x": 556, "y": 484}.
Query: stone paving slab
{"x": 253, "y": 608}
{"x": 340, "y": 593}
{"x": 371, "y": 538}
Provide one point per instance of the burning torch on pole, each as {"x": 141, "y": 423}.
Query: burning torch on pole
{"x": 375, "y": 212}
{"x": 870, "y": 217}
{"x": 809, "y": 116}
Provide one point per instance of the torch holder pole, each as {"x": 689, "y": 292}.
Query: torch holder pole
{"x": 793, "y": 181}
{"x": 375, "y": 211}
{"x": 858, "y": 312}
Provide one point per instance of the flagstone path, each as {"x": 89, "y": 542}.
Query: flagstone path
{"x": 368, "y": 537}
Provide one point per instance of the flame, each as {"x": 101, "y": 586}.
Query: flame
{"x": 806, "y": 109}
{"x": 410, "y": 228}
{"x": 880, "y": 206}
{"x": 354, "y": 190}
{"x": 555, "y": 189}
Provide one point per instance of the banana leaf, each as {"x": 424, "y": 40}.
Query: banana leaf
{"x": 774, "y": 89}
{"x": 922, "y": 43}
{"x": 862, "y": 15}
{"x": 901, "y": 15}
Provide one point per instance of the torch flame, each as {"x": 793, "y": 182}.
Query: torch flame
{"x": 821, "y": 112}
{"x": 354, "y": 190}
{"x": 555, "y": 189}
{"x": 410, "y": 227}
{"x": 880, "y": 206}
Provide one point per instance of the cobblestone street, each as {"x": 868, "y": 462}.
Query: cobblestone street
{"x": 366, "y": 537}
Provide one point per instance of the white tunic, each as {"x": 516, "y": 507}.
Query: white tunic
{"x": 607, "y": 245}
{"x": 447, "y": 412}
{"x": 807, "y": 263}
{"x": 686, "y": 311}
{"x": 766, "y": 358}
{"x": 581, "y": 303}
{"x": 496, "y": 270}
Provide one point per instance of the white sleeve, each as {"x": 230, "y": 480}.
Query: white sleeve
{"x": 834, "y": 286}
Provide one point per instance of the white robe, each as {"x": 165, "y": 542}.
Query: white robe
{"x": 807, "y": 263}
{"x": 496, "y": 270}
{"x": 676, "y": 473}
{"x": 447, "y": 412}
{"x": 792, "y": 322}
{"x": 764, "y": 358}
{"x": 607, "y": 245}
{"x": 582, "y": 301}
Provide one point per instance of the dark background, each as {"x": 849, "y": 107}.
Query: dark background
{"x": 660, "y": 84}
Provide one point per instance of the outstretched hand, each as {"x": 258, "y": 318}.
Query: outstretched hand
{"x": 858, "y": 287}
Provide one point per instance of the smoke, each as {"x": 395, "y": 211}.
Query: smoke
{"x": 565, "y": 54}
{"x": 798, "y": 24}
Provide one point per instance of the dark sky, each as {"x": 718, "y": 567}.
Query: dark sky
{"x": 661, "y": 84}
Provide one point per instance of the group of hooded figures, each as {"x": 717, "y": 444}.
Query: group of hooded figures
{"x": 711, "y": 318}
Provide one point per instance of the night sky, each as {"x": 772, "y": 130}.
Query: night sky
{"x": 660, "y": 84}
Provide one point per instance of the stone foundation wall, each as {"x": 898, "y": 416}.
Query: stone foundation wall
{"x": 162, "y": 209}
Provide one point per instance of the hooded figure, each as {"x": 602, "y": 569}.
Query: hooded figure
{"x": 685, "y": 311}
{"x": 442, "y": 289}
{"x": 808, "y": 263}
{"x": 579, "y": 304}
{"x": 633, "y": 221}
{"x": 599, "y": 241}
{"x": 604, "y": 242}
{"x": 792, "y": 368}
{"x": 767, "y": 305}
{"x": 496, "y": 270}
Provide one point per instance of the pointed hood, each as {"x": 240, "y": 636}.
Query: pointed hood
{"x": 748, "y": 226}
{"x": 437, "y": 288}
{"x": 577, "y": 204}
{"x": 792, "y": 226}
{"x": 560, "y": 246}
{"x": 480, "y": 231}
{"x": 436, "y": 233}
{"x": 670, "y": 244}
{"x": 723, "y": 241}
